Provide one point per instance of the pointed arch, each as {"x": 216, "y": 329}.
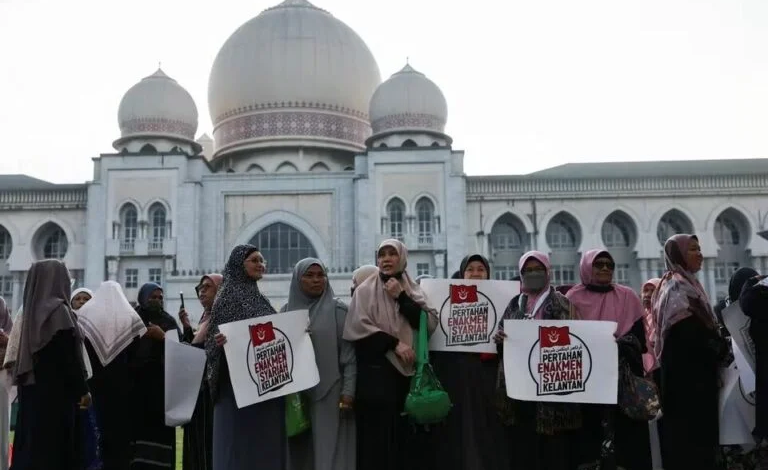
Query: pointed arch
{"x": 319, "y": 166}
{"x": 396, "y": 213}
{"x": 148, "y": 148}
{"x": 563, "y": 232}
{"x": 255, "y": 168}
{"x": 672, "y": 222}
{"x": 286, "y": 167}
{"x": 6, "y": 243}
{"x": 409, "y": 143}
{"x": 619, "y": 230}
{"x": 295, "y": 221}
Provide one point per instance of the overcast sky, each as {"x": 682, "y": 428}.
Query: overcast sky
{"x": 529, "y": 84}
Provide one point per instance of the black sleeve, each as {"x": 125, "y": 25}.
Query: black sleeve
{"x": 188, "y": 335}
{"x": 638, "y": 331}
{"x": 376, "y": 344}
{"x": 60, "y": 364}
{"x": 410, "y": 310}
{"x": 753, "y": 299}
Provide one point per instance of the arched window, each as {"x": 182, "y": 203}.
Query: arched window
{"x": 425, "y": 214}
{"x": 286, "y": 167}
{"x": 129, "y": 219}
{"x": 148, "y": 148}
{"x": 282, "y": 246}
{"x": 6, "y": 244}
{"x": 672, "y": 223}
{"x": 409, "y": 143}
{"x": 54, "y": 242}
{"x": 255, "y": 168}
{"x": 319, "y": 166}
{"x": 618, "y": 231}
{"x": 563, "y": 232}
{"x": 435, "y": 144}
{"x": 383, "y": 145}
{"x": 396, "y": 215}
{"x": 728, "y": 230}
{"x": 507, "y": 234}
{"x": 157, "y": 226}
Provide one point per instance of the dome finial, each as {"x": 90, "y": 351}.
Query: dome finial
{"x": 407, "y": 60}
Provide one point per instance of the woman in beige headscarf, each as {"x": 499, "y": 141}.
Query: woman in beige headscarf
{"x": 383, "y": 316}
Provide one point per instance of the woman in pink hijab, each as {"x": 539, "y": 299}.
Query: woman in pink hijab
{"x": 539, "y": 435}
{"x": 646, "y": 293}
{"x": 384, "y": 313}
{"x": 689, "y": 351}
{"x": 597, "y": 297}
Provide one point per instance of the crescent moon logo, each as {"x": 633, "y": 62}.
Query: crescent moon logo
{"x": 261, "y": 334}
{"x": 554, "y": 337}
{"x": 463, "y": 294}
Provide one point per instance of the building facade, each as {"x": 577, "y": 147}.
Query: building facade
{"x": 313, "y": 155}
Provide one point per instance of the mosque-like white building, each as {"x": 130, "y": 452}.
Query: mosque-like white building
{"x": 313, "y": 155}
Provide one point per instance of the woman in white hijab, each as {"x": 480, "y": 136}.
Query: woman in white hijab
{"x": 80, "y": 297}
{"x": 111, "y": 329}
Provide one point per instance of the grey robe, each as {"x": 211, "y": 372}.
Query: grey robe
{"x": 331, "y": 443}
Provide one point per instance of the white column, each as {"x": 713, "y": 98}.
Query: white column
{"x": 645, "y": 268}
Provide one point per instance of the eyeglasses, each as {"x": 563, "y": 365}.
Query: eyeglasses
{"x": 604, "y": 264}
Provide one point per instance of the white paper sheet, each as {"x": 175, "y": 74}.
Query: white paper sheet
{"x": 734, "y": 430}
{"x": 561, "y": 361}
{"x": 270, "y": 356}
{"x": 184, "y": 367}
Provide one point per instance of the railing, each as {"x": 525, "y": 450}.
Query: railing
{"x": 74, "y": 197}
{"x": 127, "y": 246}
{"x": 504, "y": 187}
{"x": 156, "y": 246}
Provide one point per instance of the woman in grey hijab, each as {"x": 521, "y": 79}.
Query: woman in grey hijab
{"x": 331, "y": 443}
{"x": 50, "y": 373}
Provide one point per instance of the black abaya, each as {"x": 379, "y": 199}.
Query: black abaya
{"x": 470, "y": 438}
{"x": 47, "y": 433}
{"x": 689, "y": 395}
{"x": 198, "y": 433}
{"x": 154, "y": 443}
{"x": 112, "y": 388}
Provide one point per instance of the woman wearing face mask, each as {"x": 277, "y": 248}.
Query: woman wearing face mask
{"x": 649, "y": 360}
{"x": 471, "y": 435}
{"x": 154, "y": 442}
{"x": 538, "y": 435}
{"x": 383, "y": 316}
{"x": 330, "y": 445}
{"x": 690, "y": 351}
{"x": 598, "y": 298}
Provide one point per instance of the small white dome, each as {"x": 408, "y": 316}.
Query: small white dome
{"x": 293, "y": 75}
{"x": 408, "y": 101}
{"x": 157, "y": 107}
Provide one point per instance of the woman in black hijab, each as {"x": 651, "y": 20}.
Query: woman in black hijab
{"x": 738, "y": 279}
{"x": 254, "y": 436}
{"x": 473, "y": 431}
{"x": 50, "y": 374}
{"x": 154, "y": 442}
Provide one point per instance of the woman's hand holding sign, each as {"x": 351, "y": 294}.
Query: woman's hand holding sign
{"x": 405, "y": 353}
{"x": 499, "y": 337}
{"x": 220, "y": 339}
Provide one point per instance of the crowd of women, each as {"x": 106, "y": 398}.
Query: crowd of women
{"x": 89, "y": 370}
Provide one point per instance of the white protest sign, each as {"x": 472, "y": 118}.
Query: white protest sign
{"x": 746, "y": 374}
{"x": 270, "y": 356}
{"x": 738, "y": 325}
{"x": 184, "y": 367}
{"x": 561, "y": 361}
{"x": 737, "y": 414}
{"x": 469, "y": 312}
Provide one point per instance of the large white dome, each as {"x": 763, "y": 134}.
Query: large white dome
{"x": 408, "y": 101}
{"x": 155, "y": 107}
{"x": 293, "y": 75}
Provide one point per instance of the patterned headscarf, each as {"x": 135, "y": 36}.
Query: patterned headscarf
{"x": 238, "y": 299}
{"x": 679, "y": 294}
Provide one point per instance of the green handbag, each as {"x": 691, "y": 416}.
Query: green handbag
{"x": 427, "y": 402}
{"x": 296, "y": 416}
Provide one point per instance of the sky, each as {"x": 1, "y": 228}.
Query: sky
{"x": 529, "y": 84}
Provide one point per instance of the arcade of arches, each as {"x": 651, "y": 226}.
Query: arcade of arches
{"x": 509, "y": 239}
